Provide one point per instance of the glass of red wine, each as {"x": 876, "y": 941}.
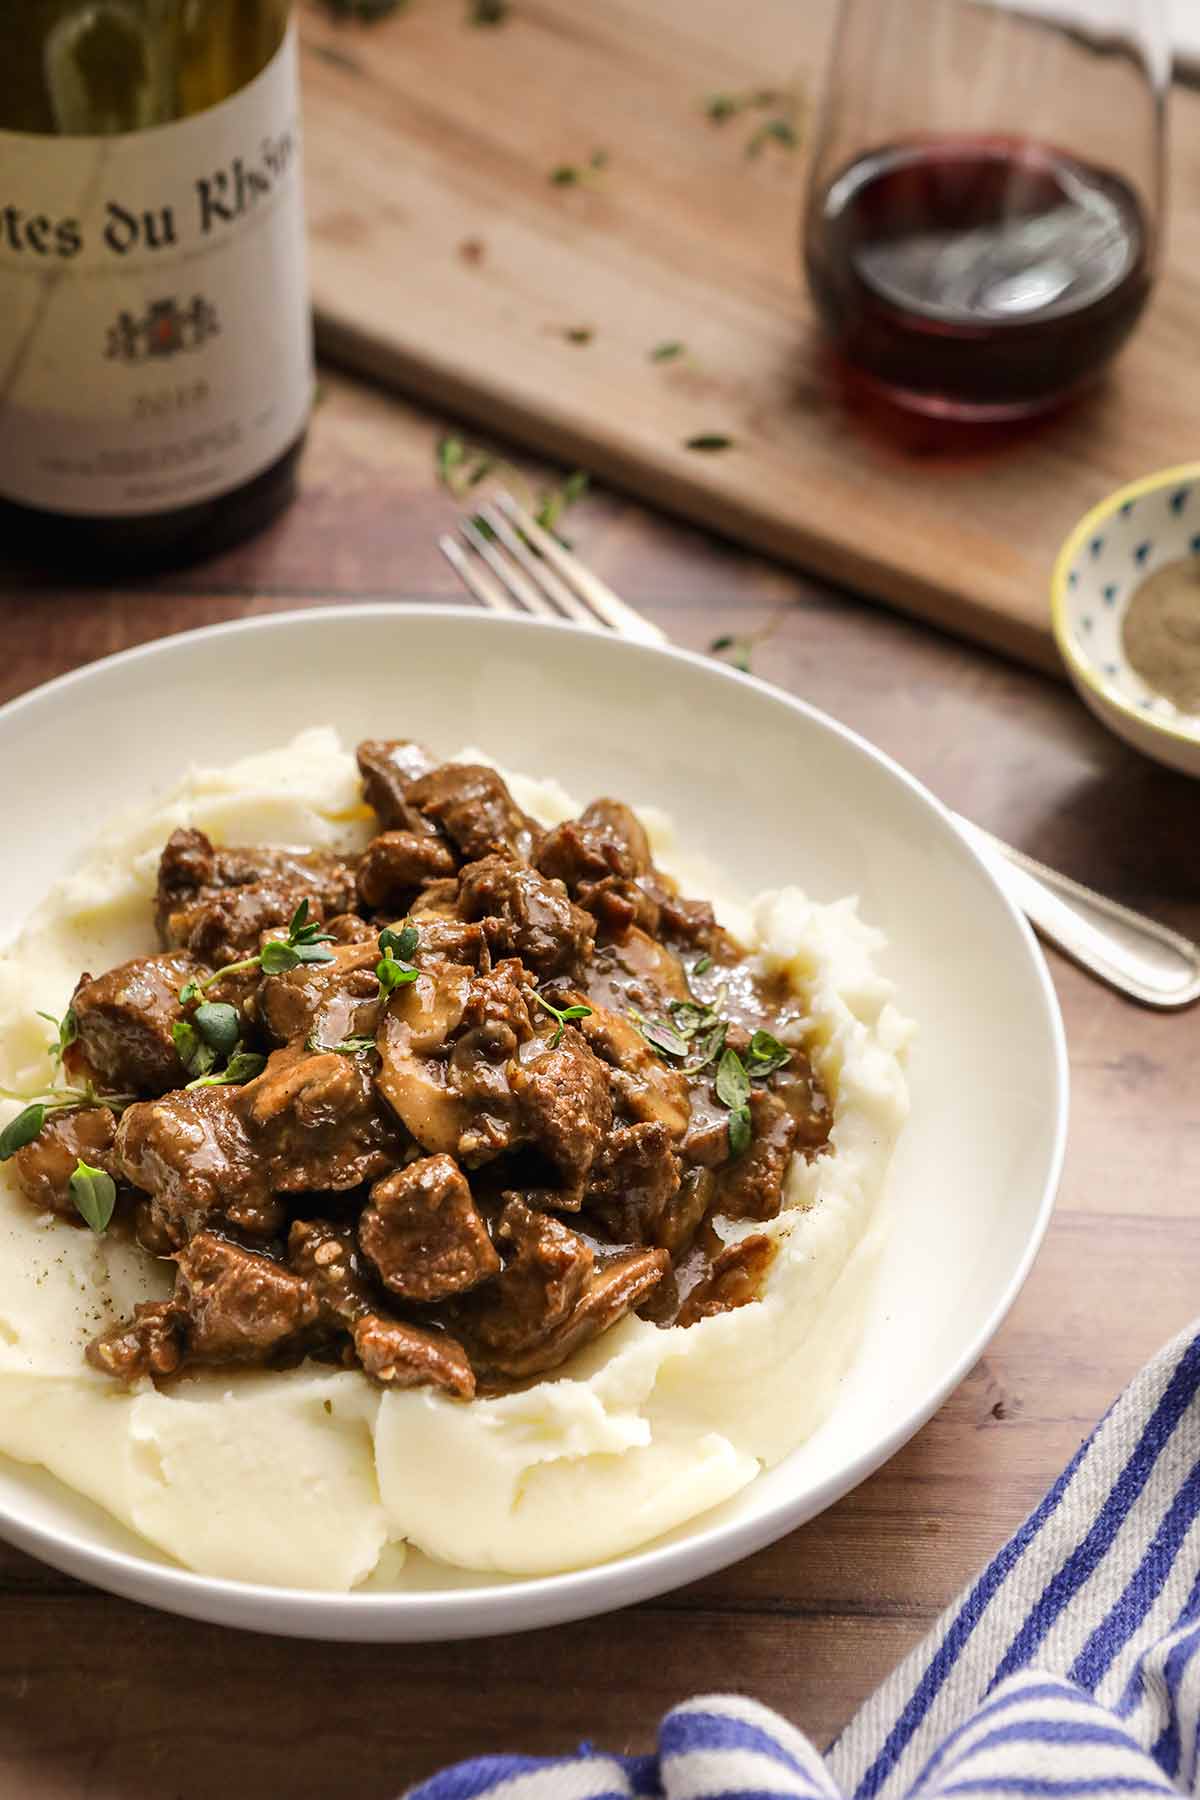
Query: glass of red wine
{"x": 983, "y": 217}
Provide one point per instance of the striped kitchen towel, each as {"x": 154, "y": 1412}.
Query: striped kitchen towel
{"x": 1068, "y": 1668}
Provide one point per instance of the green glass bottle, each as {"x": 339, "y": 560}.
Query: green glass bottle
{"x": 155, "y": 339}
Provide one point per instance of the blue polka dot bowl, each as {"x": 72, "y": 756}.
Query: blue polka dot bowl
{"x": 1099, "y": 569}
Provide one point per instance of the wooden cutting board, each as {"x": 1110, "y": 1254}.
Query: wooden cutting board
{"x": 447, "y": 262}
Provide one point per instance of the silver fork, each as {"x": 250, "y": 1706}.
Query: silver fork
{"x": 522, "y": 569}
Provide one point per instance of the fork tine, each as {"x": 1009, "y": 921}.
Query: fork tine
{"x": 603, "y": 602}
{"x": 530, "y": 597}
{"x": 476, "y": 580}
{"x": 539, "y": 570}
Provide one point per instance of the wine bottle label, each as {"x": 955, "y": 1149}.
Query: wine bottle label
{"x": 155, "y": 344}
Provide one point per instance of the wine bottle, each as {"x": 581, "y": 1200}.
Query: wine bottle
{"x": 155, "y": 339}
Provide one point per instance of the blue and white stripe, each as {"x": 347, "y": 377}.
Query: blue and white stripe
{"x": 1069, "y": 1670}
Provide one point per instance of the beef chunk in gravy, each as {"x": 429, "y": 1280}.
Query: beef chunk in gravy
{"x": 218, "y": 903}
{"x": 397, "y": 864}
{"x": 422, "y": 1234}
{"x": 44, "y": 1168}
{"x": 525, "y": 915}
{"x": 237, "y": 1304}
{"x": 459, "y": 1170}
{"x": 388, "y": 767}
{"x": 125, "y": 1019}
{"x": 474, "y": 808}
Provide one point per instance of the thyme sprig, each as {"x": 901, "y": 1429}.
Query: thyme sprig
{"x": 305, "y": 943}
{"x": 564, "y": 1015}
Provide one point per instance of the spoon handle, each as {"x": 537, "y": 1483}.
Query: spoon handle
{"x": 1131, "y": 953}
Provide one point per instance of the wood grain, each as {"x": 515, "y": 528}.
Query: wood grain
{"x": 103, "y": 1700}
{"x": 424, "y": 136}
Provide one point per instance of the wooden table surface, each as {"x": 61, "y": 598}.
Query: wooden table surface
{"x": 101, "y": 1698}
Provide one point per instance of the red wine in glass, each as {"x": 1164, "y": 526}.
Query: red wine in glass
{"x": 977, "y": 277}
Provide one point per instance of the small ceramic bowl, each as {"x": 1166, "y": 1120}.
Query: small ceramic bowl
{"x": 1099, "y": 569}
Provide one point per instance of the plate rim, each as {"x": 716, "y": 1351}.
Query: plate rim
{"x": 525, "y": 1603}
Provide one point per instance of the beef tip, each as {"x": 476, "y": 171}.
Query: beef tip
{"x": 151, "y": 1343}
{"x": 238, "y": 1305}
{"x": 449, "y": 937}
{"x": 391, "y": 1351}
{"x": 422, "y": 1233}
{"x": 312, "y": 1122}
{"x": 564, "y": 1107}
{"x": 539, "y": 1287}
{"x": 327, "y": 1257}
{"x": 446, "y": 1045}
{"x": 643, "y": 1086}
{"x": 600, "y": 857}
{"x": 606, "y": 839}
{"x": 218, "y": 903}
{"x": 525, "y": 915}
{"x": 397, "y": 863}
{"x": 190, "y": 1152}
{"x": 633, "y": 1182}
{"x": 44, "y": 1167}
{"x": 474, "y": 808}
{"x": 124, "y": 1021}
{"x": 405, "y": 1356}
{"x": 752, "y": 1187}
{"x": 552, "y": 1298}
{"x": 388, "y": 767}
{"x": 692, "y": 921}
{"x": 324, "y": 1003}
{"x": 736, "y": 1277}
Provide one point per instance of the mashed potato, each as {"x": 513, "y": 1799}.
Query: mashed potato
{"x": 315, "y": 1477}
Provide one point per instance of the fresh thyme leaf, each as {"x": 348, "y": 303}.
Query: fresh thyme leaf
{"x": 663, "y": 1038}
{"x": 742, "y": 648}
{"x": 733, "y": 1083}
{"x": 218, "y": 1026}
{"x": 93, "y": 1195}
{"x": 766, "y": 1055}
{"x": 402, "y": 943}
{"x": 666, "y": 352}
{"x": 571, "y": 175}
{"x": 450, "y": 452}
{"x": 564, "y": 1015}
{"x": 481, "y": 469}
{"x": 740, "y": 1131}
{"x": 708, "y": 1049}
{"x": 188, "y": 992}
{"x": 22, "y": 1130}
{"x": 704, "y": 963}
{"x": 393, "y": 973}
{"x": 574, "y": 486}
{"x": 240, "y": 1068}
{"x": 278, "y": 956}
{"x": 708, "y": 441}
{"x": 579, "y": 334}
{"x": 778, "y": 131}
{"x": 722, "y": 106}
{"x": 67, "y": 1031}
{"x": 351, "y": 1046}
{"x": 482, "y": 527}
{"x": 487, "y": 12}
{"x": 690, "y": 1016}
{"x": 197, "y": 1057}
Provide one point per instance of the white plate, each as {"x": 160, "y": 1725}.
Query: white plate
{"x": 762, "y": 784}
